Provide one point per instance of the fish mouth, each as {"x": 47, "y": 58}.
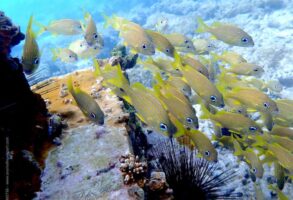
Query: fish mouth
{"x": 251, "y": 44}
{"x": 101, "y": 122}
{"x": 276, "y": 111}
{"x": 222, "y": 105}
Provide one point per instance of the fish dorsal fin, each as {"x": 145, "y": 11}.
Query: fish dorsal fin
{"x": 140, "y": 117}
{"x": 97, "y": 68}
{"x": 216, "y": 24}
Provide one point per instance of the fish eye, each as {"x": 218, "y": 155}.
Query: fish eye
{"x": 167, "y": 50}
{"x": 244, "y": 40}
{"x": 207, "y": 153}
{"x": 177, "y": 69}
{"x": 255, "y": 70}
{"x": 93, "y": 115}
{"x": 79, "y": 27}
{"x": 163, "y": 127}
{"x": 266, "y": 105}
{"x": 144, "y": 46}
{"x": 254, "y": 170}
{"x": 80, "y": 45}
{"x": 186, "y": 41}
{"x": 36, "y": 61}
{"x": 70, "y": 56}
{"x": 189, "y": 120}
{"x": 252, "y": 128}
{"x": 188, "y": 47}
{"x": 95, "y": 35}
{"x": 213, "y": 98}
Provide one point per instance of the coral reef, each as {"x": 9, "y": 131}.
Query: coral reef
{"x": 23, "y": 120}
{"x": 86, "y": 161}
{"x": 119, "y": 55}
{"x": 133, "y": 171}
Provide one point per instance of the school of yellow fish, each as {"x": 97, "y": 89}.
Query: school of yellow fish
{"x": 226, "y": 87}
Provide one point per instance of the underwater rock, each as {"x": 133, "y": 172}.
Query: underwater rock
{"x": 119, "y": 51}
{"x": 158, "y": 187}
{"x": 120, "y": 56}
{"x": 94, "y": 150}
{"x": 114, "y": 60}
{"x": 10, "y": 34}
{"x": 23, "y": 118}
{"x": 136, "y": 192}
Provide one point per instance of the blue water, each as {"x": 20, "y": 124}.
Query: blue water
{"x": 267, "y": 21}
{"x": 45, "y": 11}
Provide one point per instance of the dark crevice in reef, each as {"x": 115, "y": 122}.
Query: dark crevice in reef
{"x": 23, "y": 122}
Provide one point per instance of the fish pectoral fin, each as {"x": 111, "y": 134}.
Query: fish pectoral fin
{"x": 212, "y": 37}
{"x": 133, "y": 51}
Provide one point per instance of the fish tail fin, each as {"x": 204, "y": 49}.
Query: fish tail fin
{"x": 97, "y": 68}
{"x": 259, "y": 141}
{"x": 29, "y": 30}
{"x": 83, "y": 26}
{"x": 55, "y": 54}
{"x": 222, "y": 83}
{"x": 150, "y": 60}
{"x": 108, "y": 20}
{"x": 159, "y": 80}
{"x": 177, "y": 61}
{"x": 201, "y": 26}
{"x": 205, "y": 112}
{"x": 42, "y": 27}
{"x": 86, "y": 15}
{"x": 223, "y": 70}
{"x": 237, "y": 148}
{"x": 157, "y": 91}
{"x": 139, "y": 61}
{"x": 281, "y": 195}
{"x": 215, "y": 57}
{"x": 121, "y": 84}
{"x": 70, "y": 84}
{"x": 30, "y": 23}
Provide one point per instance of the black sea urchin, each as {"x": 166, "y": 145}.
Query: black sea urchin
{"x": 191, "y": 177}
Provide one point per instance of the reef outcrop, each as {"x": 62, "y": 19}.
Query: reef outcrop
{"x": 23, "y": 121}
